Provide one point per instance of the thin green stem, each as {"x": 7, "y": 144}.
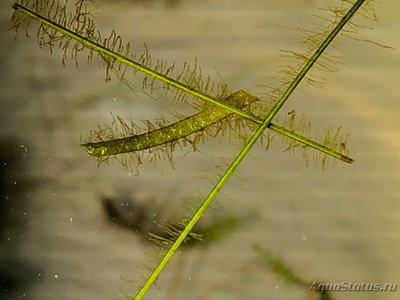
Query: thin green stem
{"x": 99, "y": 48}
{"x": 310, "y": 143}
{"x": 310, "y": 63}
{"x": 245, "y": 150}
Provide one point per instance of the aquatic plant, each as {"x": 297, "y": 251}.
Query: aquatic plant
{"x": 285, "y": 273}
{"x": 220, "y": 112}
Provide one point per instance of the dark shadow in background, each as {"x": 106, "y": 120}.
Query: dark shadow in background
{"x": 16, "y": 273}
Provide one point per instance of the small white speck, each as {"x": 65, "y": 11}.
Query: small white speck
{"x": 70, "y": 219}
{"x": 56, "y": 276}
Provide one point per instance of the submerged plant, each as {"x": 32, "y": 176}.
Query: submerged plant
{"x": 220, "y": 112}
{"x": 284, "y": 272}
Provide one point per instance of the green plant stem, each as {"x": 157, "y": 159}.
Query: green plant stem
{"x": 279, "y": 267}
{"x": 99, "y": 48}
{"x": 246, "y": 149}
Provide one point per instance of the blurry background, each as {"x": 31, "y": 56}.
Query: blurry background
{"x": 341, "y": 224}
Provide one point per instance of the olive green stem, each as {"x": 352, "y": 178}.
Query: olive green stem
{"x": 245, "y": 150}
{"x": 101, "y": 49}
